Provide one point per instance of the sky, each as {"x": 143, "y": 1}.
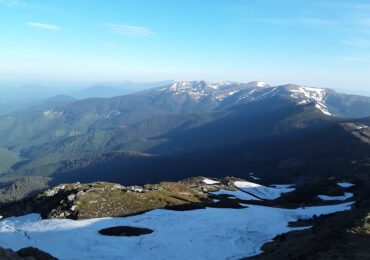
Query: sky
{"x": 322, "y": 43}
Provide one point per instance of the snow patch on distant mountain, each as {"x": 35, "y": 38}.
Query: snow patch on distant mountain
{"x": 248, "y": 92}
{"x": 217, "y": 91}
{"x": 361, "y": 126}
{"x": 346, "y": 196}
{"x": 259, "y": 84}
{"x": 198, "y": 90}
{"x": 345, "y": 184}
{"x": 51, "y": 113}
{"x": 306, "y": 95}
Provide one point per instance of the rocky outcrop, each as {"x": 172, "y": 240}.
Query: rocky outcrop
{"x": 102, "y": 199}
{"x": 28, "y": 253}
{"x": 125, "y": 231}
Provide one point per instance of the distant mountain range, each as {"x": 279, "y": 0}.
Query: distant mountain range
{"x": 191, "y": 128}
{"x": 15, "y": 97}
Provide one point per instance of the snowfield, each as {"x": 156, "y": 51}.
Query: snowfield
{"x": 345, "y": 184}
{"x": 254, "y": 191}
{"x": 237, "y": 194}
{"x": 308, "y": 94}
{"x": 210, "y": 182}
{"x": 346, "y": 196}
{"x": 263, "y": 192}
{"x": 211, "y": 233}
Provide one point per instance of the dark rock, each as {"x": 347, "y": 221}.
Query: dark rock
{"x": 7, "y": 254}
{"x": 125, "y": 231}
{"x": 35, "y": 253}
{"x": 28, "y": 253}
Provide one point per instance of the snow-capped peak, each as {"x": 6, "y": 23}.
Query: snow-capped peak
{"x": 247, "y": 92}
{"x": 195, "y": 89}
{"x": 192, "y": 85}
{"x": 258, "y": 84}
{"x": 306, "y": 95}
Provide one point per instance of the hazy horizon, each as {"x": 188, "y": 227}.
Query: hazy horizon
{"x": 77, "y": 85}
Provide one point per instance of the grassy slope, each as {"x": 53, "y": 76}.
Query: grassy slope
{"x": 7, "y": 159}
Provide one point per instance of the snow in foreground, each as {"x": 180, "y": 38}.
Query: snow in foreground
{"x": 263, "y": 192}
{"x": 236, "y": 194}
{"x": 346, "y": 196}
{"x": 345, "y": 184}
{"x": 252, "y": 175}
{"x": 199, "y": 234}
{"x": 210, "y": 182}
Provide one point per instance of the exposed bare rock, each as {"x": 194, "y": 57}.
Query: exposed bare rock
{"x": 102, "y": 199}
{"x": 28, "y": 253}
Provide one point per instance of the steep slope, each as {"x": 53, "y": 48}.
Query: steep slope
{"x": 246, "y": 122}
{"x": 300, "y": 151}
{"x": 181, "y": 133}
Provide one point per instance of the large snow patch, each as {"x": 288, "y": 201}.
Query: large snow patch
{"x": 263, "y": 192}
{"x": 211, "y": 233}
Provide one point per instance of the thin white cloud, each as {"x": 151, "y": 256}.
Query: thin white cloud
{"x": 272, "y": 21}
{"x": 44, "y": 26}
{"x": 357, "y": 42}
{"x": 364, "y": 21}
{"x": 306, "y": 21}
{"x": 317, "y": 22}
{"x": 11, "y": 2}
{"x": 130, "y": 30}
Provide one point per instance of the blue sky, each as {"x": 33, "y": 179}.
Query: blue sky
{"x": 318, "y": 42}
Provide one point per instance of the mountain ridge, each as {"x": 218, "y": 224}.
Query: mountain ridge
{"x": 176, "y": 122}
